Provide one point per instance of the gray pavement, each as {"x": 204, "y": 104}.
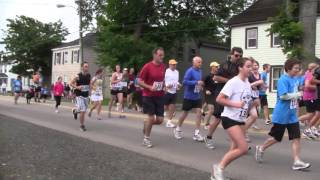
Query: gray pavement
{"x": 126, "y": 134}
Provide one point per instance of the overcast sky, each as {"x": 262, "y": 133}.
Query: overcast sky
{"x": 42, "y": 10}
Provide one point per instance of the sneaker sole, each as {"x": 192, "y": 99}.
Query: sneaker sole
{"x": 301, "y": 168}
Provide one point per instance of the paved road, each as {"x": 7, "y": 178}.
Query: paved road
{"x": 126, "y": 134}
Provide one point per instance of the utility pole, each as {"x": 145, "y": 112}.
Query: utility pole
{"x": 79, "y": 2}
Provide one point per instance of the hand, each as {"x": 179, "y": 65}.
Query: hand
{"x": 200, "y": 83}
{"x": 208, "y": 92}
{"x": 152, "y": 88}
{"x": 169, "y": 86}
{"x": 79, "y": 87}
{"x": 238, "y": 104}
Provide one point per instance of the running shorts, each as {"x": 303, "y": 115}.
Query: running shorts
{"x": 170, "y": 99}
{"x": 228, "y": 123}
{"x": 190, "y": 104}
{"x": 153, "y": 105}
{"x": 263, "y": 100}
{"x": 277, "y": 131}
{"x": 95, "y": 98}
{"x": 82, "y": 103}
{"x": 311, "y": 105}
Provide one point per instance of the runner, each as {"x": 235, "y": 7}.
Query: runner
{"x": 209, "y": 88}
{"x": 17, "y": 88}
{"x": 96, "y": 93}
{"x": 151, "y": 79}
{"x": 312, "y": 131}
{"x": 58, "y": 91}
{"x": 125, "y": 88}
{"x": 36, "y": 80}
{"x": 172, "y": 85}
{"x": 227, "y": 70}
{"x": 116, "y": 89}
{"x": 131, "y": 88}
{"x": 138, "y": 95}
{"x": 44, "y": 93}
{"x": 262, "y": 93}
{"x": 81, "y": 85}
{"x": 236, "y": 97}
{"x": 255, "y": 81}
{"x": 284, "y": 115}
{"x": 193, "y": 86}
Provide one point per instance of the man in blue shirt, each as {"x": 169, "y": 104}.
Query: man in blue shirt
{"x": 193, "y": 85}
{"x": 284, "y": 115}
{"x": 17, "y": 89}
{"x": 262, "y": 93}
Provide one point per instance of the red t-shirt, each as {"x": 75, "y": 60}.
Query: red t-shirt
{"x": 153, "y": 74}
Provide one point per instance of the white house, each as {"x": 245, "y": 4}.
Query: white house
{"x": 248, "y": 30}
{"x": 8, "y": 77}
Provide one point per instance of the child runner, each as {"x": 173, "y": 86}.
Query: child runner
{"x": 17, "y": 88}
{"x": 96, "y": 93}
{"x": 284, "y": 115}
{"x": 236, "y": 97}
{"x": 58, "y": 91}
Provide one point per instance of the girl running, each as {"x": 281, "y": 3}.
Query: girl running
{"x": 116, "y": 89}
{"x": 58, "y": 91}
{"x": 96, "y": 93}
{"x": 236, "y": 97}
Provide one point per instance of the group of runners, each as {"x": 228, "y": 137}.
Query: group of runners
{"x": 234, "y": 92}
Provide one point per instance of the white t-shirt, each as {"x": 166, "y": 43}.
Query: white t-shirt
{"x": 172, "y": 78}
{"x": 237, "y": 90}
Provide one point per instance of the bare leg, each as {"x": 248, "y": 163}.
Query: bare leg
{"x": 171, "y": 110}
{"x": 296, "y": 149}
{"x": 269, "y": 142}
{"x": 266, "y": 112}
{"x": 213, "y": 126}
{"x": 182, "y": 118}
{"x": 209, "y": 115}
{"x": 82, "y": 114}
{"x": 198, "y": 118}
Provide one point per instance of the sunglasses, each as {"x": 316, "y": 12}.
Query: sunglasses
{"x": 238, "y": 55}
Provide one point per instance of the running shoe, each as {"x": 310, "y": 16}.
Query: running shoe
{"x": 267, "y": 121}
{"x": 247, "y": 138}
{"x": 83, "y": 128}
{"x": 177, "y": 133}
{"x": 57, "y": 111}
{"x": 256, "y": 127}
{"x": 217, "y": 173}
{"x": 169, "y": 124}
{"x": 315, "y": 132}
{"x": 198, "y": 137}
{"x": 206, "y": 126}
{"x": 209, "y": 143}
{"x": 75, "y": 114}
{"x": 308, "y": 134}
{"x": 146, "y": 142}
{"x": 259, "y": 154}
{"x": 300, "y": 165}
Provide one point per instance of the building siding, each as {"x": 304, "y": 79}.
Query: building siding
{"x": 317, "y": 48}
{"x": 264, "y": 53}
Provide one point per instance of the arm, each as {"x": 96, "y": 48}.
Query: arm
{"x": 187, "y": 81}
{"x": 220, "y": 79}
{"x": 73, "y": 83}
{"x": 223, "y": 100}
{"x": 144, "y": 85}
{"x": 257, "y": 83}
{"x": 289, "y": 96}
{"x": 310, "y": 86}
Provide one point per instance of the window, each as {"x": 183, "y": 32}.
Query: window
{"x": 65, "y": 57}
{"x": 75, "y": 57}
{"x": 192, "y": 53}
{"x": 275, "y": 40}
{"x": 275, "y": 73}
{"x": 251, "y": 38}
{"x": 5, "y": 68}
{"x": 58, "y": 58}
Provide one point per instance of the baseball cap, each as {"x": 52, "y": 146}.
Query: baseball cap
{"x": 214, "y": 63}
{"x": 125, "y": 69}
{"x": 173, "y": 61}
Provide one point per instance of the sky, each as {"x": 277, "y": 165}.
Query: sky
{"x": 42, "y": 10}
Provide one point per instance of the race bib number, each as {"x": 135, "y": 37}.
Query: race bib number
{"x": 158, "y": 86}
{"x": 197, "y": 89}
{"x": 243, "y": 113}
{"x": 117, "y": 85}
{"x": 85, "y": 88}
{"x": 293, "y": 104}
{"x": 124, "y": 84}
{"x": 255, "y": 94}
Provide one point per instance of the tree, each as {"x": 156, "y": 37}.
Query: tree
{"x": 28, "y": 43}
{"x": 128, "y": 30}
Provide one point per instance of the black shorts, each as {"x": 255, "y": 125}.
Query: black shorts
{"x": 38, "y": 89}
{"x": 277, "y": 131}
{"x": 170, "y": 99}
{"x": 130, "y": 90}
{"x": 153, "y": 105}
{"x": 301, "y": 103}
{"x": 190, "y": 104}
{"x": 228, "y": 123}
{"x": 115, "y": 92}
{"x": 218, "y": 109}
{"x": 209, "y": 99}
{"x": 311, "y": 105}
{"x": 263, "y": 100}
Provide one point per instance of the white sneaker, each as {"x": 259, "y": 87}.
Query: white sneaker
{"x": 267, "y": 122}
{"x": 198, "y": 137}
{"x": 256, "y": 127}
{"x": 146, "y": 142}
{"x": 315, "y": 131}
{"x": 300, "y": 165}
{"x": 57, "y": 111}
{"x": 218, "y": 173}
{"x": 209, "y": 143}
{"x": 169, "y": 124}
{"x": 177, "y": 134}
{"x": 259, "y": 154}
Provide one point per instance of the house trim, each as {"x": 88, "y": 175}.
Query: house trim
{"x": 64, "y": 48}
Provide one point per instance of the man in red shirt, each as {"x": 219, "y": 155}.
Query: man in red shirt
{"x": 151, "y": 78}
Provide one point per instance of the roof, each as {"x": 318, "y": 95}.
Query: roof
{"x": 214, "y": 45}
{"x": 88, "y": 40}
{"x": 3, "y": 75}
{"x": 260, "y": 11}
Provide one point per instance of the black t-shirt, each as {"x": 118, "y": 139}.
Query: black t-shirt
{"x": 209, "y": 83}
{"x": 228, "y": 70}
{"x": 84, "y": 81}
{"x": 316, "y": 75}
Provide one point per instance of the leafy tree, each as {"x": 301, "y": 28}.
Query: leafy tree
{"x": 28, "y": 43}
{"x": 128, "y": 30}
